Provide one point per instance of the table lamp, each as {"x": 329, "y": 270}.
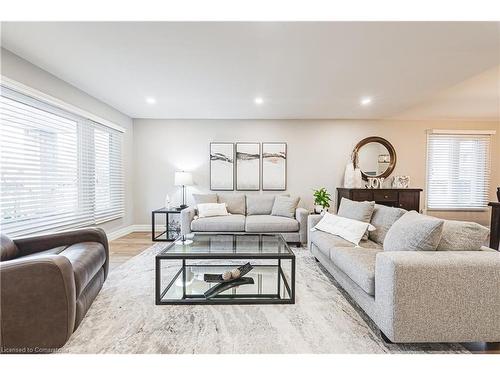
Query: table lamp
{"x": 183, "y": 179}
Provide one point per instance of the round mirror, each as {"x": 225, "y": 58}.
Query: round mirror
{"x": 375, "y": 157}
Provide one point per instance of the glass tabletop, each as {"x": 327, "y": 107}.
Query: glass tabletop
{"x": 230, "y": 245}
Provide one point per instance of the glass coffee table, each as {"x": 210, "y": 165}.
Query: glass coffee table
{"x": 181, "y": 266}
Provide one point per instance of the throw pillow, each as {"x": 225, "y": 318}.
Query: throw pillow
{"x": 285, "y": 206}
{"x": 235, "y": 203}
{"x": 414, "y": 232}
{"x": 260, "y": 204}
{"x": 361, "y": 211}
{"x": 349, "y": 229}
{"x": 382, "y": 219}
{"x": 204, "y": 198}
{"x": 212, "y": 209}
{"x": 462, "y": 235}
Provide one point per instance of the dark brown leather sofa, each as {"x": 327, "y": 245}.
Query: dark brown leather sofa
{"x": 47, "y": 284}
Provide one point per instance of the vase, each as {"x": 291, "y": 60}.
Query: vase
{"x": 349, "y": 176}
{"x": 498, "y": 193}
{"x": 318, "y": 209}
{"x": 358, "y": 179}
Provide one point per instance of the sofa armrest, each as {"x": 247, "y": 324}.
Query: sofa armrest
{"x": 301, "y": 215}
{"x": 438, "y": 296}
{"x": 312, "y": 220}
{"x": 38, "y": 302}
{"x": 187, "y": 216}
{"x": 30, "y": 245}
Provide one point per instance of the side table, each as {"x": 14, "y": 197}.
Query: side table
{"x": 172, "y": 227}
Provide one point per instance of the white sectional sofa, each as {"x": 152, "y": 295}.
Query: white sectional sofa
{"x": 416, "y": 296}
{"x": 250, "y": 213}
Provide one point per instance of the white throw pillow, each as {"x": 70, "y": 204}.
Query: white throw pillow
{"x": 349, "y": 229}
{"x": 212, "y": 209}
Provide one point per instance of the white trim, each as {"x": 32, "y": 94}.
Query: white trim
{"x": 465, "y": 132}
{"x": 29, "y": 91}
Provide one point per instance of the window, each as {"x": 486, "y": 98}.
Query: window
{"x": 458, "y": 171}
{"x": 57, "y": 170}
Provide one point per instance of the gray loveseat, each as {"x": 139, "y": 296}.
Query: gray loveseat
{"x": 249, "y": 214}
{"x": 416, "y": 296}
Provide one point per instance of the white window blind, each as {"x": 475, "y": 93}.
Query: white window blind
{"x": 57, "y": 170}
{"x": 458, "y": 171}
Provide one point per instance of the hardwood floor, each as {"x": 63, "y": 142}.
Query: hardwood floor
{"x": 126, "y": 247}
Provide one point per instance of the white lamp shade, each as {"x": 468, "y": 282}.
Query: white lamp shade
{"x": 183, "y": 179}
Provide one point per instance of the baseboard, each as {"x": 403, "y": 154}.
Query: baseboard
{"x": 132, "y": 228}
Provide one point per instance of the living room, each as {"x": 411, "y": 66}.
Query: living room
{"x": 250, "y": 187}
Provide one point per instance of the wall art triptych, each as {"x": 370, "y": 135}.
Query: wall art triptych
{"x": 252, "y": 165}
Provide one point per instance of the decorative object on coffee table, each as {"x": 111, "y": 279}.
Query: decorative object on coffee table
{"x": 322, "y": 200}
{"x": 183, "y": 179}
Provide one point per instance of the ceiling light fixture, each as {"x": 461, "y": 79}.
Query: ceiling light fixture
{"x": 258, "y": 100}
{"x": 150, "y": 100}
{"x": 366, "y": 101}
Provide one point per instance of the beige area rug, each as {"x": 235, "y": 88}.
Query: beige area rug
{"x": 125, "y": 319}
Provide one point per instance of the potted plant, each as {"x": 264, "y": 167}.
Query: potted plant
{"x": 322, "y": 200}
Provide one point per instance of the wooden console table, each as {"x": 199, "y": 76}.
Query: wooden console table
{"x": 495, "y": 225}
{"x": 409, "y": 199}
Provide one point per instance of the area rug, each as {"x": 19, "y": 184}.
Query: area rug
{"x": 125, "y": 319}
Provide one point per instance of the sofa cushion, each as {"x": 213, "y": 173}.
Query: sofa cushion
{"x": 204, "y": 198}
{"x": 231, "y": 223}
{"x": 212, "y": 209}
{"x": 462, "y": 235}
{"x": 361, "y": 211}
{"x": 285, "y": 206}
{"x": 235, "y": 203}
{"x": 87, "y": 258}
{"x": 358, "y": 263}
{"x": 414, "y": 232}
{"x": 260, "y": 204}
{"x": 326, "y": 241}
{"x": 382, "y": 219}
{"x": 270, "y": 224}
{"x": 349, "y": 229}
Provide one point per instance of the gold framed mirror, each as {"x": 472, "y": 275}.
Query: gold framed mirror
{"x": 375, "y": 157}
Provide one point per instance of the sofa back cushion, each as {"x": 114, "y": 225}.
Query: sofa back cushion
{"x": 260, "y": 204}
{"x": 414, "y": 232}
{"x": 462, "y": 235}
{"x": 235, "y": 203}
{"x": 360, "y": 211}
{"x": 382, "y": 219}
{"x": 285, "y": 206}
{"x": 204, "y": 198}
{"x": 8, "y": 249}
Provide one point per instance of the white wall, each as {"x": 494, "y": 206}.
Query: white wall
{"x": 318, "y": 151}
{"x": 18, "y": 69}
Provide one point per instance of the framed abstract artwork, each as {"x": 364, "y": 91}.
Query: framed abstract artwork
{"x": 247, "y": 166}
{"x": 274, "y": 155}
{"x": 221, "y": 166}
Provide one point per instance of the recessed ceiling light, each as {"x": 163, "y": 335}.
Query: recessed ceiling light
{"x": 150, "y": 100}
{"x": 366, "y": 101}
{"x": 258, "y": 100}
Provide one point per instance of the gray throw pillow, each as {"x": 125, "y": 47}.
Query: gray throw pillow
{"x": 204, "y": 198}
{"x": 360, "y": 211}
{"x": 260, "y": 204}
{"x": 382, "y": 219}
{"x": 462, "y": 235}
{"x": 285, "y": 206}
{"x": 414, "y": 232}
{"x": 235, "y": 203}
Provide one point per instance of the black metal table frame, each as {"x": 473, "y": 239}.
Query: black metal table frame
{"x": 253, "y": 299}
{"x": 156, "y": 238}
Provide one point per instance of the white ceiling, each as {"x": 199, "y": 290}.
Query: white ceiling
{"x": 301, "y": 70}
